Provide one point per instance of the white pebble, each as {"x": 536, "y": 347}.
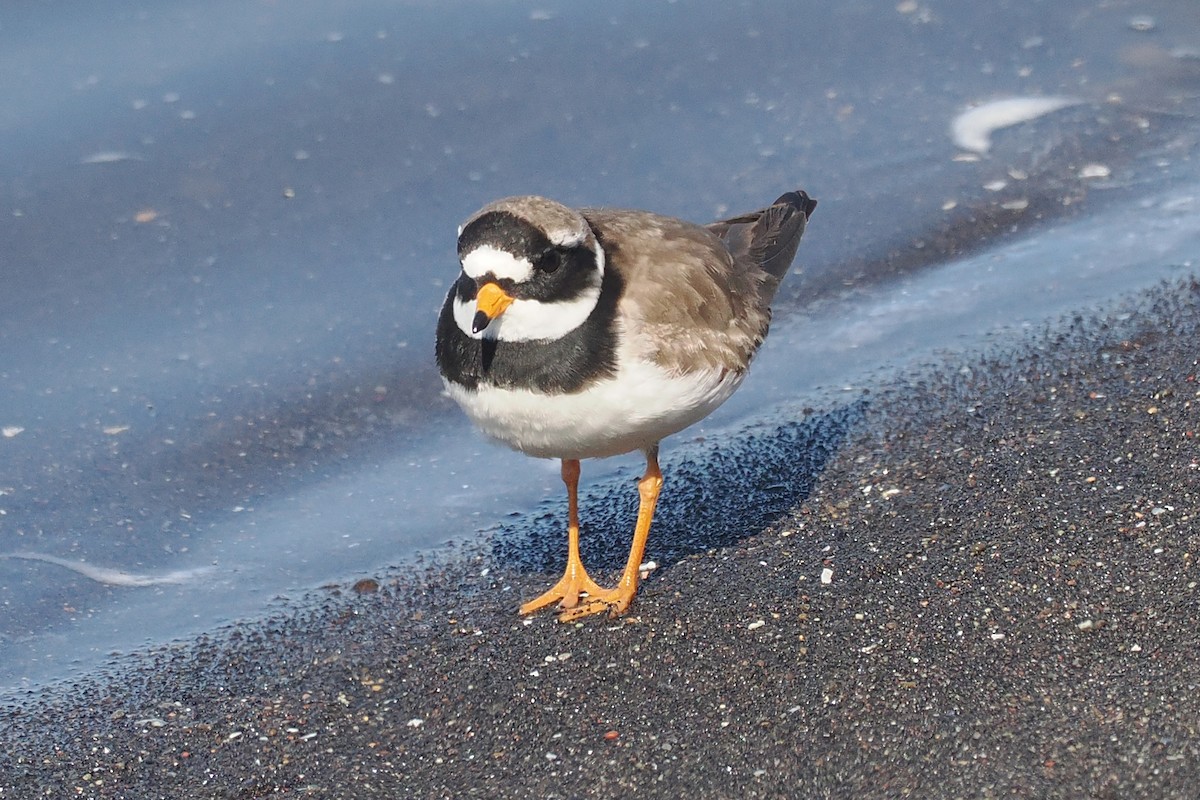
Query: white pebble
{"x": 1094, "y": 171}
{"x": 827, "y": 575}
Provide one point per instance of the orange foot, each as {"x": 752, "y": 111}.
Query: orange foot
{"x": 575, "y": 580}
{"x": 615, "y": 601}
{"x": 566, "y": 592}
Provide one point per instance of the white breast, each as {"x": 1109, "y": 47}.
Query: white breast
{"x": 640, "y": 405}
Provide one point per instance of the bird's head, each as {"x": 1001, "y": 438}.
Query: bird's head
{"x": 531, "y": 270}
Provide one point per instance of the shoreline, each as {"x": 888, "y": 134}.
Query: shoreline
{"x": 1010, "y": 541}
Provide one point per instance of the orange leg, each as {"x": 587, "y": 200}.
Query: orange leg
{"x": 575, "y": 579}
{"x": 616, "y": 600}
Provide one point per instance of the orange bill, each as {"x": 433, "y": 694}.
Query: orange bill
{"x": 490, "y": 302}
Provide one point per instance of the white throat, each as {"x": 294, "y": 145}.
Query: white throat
{"x": 535, "y": 320}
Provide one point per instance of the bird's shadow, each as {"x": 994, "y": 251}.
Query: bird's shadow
{"x": 715, "y": 494}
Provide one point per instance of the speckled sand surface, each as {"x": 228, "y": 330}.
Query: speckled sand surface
{"x": 1010, "y": 610}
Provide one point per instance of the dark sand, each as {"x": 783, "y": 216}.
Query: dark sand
{"x": 1012, "y": 612}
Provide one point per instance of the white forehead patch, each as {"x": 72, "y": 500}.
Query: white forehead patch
{"x": 487, "y": 259}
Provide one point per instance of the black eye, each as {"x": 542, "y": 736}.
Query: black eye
{"x": 549, "y": 261}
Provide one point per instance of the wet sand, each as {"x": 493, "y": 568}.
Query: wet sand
{"x": 990, "y": 590}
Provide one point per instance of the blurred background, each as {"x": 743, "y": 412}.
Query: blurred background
{"x": 226, "y": 229}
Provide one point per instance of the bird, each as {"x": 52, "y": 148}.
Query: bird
{"x": 584, "y": 333}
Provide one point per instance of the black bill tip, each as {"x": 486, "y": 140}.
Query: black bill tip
{"x": 480, "y": 322}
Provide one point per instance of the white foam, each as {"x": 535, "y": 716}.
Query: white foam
{"x": 114, "y": 577}
{"x": 972, "y": 129}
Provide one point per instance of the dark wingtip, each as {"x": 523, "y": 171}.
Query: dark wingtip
{"x": 798, "y": 199}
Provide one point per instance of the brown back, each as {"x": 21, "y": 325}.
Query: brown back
{"x": 700, "y": 294}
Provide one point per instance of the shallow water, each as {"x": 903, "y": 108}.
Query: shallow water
{"x": 226, "y": 229}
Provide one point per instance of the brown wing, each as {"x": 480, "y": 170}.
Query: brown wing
{"x": 686, "y": 299}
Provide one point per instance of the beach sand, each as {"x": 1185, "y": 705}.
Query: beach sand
{"x": 991, "y": 590}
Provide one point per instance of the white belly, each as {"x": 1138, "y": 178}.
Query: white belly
{"x": 636, "y": 408}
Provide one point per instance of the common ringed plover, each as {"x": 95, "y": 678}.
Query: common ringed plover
{"x": 575, "y": 334}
